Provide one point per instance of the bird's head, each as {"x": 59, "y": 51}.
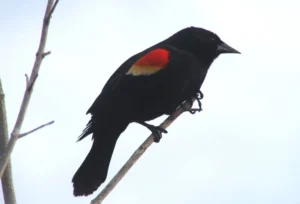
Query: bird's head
{"x": 201, "y": 42}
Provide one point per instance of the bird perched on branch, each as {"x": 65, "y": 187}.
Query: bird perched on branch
{"x": 153, "y": 82}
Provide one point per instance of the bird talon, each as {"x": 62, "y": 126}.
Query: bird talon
{"x": 198, "y": 97}
{"x": 161, "y": 129}
{"x": 157, "y": 137}
{"x": 156, "y": 131}
{"x": 193, "y": 110}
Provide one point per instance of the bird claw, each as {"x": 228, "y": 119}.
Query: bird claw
{"x": 194, "y": 110}
{"x": 156, "y": 131}
{"x": 198, "y": 97}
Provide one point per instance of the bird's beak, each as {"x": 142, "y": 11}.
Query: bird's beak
{"x": 224, "y": 48}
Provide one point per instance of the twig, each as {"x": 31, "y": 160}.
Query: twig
{"x": 136, "y": 155}
{"x": 52, "y": 10}
{"x": 27, "y": 81}
{"x": 27, "y": 95}
{"x": 7, "y": 181}
{"x": 30, "y": 84}
{"x": 46, "y": 53}
{"x": 35, "y": 129}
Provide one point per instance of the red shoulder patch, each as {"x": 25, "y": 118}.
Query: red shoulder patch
{"x": 150, "y": 63}
{"x": 157, "y": 57}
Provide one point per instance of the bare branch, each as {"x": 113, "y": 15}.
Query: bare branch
{"x": 137, "y": 154}
{"x": 35, "y": 129}
{"x": 27, "y": 95}
{"x": 7, "y": 181}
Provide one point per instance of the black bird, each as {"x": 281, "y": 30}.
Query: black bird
{"x": 149, "y": 84}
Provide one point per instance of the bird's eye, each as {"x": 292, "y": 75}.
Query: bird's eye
{"x": 215, "y": 38}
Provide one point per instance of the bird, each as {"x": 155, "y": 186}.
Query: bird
{"x": 153, "y": 82}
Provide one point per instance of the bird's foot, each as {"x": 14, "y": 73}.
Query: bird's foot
{"x": 156, "y": 131}
{"x": 193, "y": 110}
{"x": 198, "y": 97}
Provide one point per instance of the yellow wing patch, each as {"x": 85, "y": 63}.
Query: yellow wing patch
{"x": 137, "y": 70}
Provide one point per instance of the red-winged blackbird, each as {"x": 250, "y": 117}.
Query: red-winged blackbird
{"x": 149, "y": 84}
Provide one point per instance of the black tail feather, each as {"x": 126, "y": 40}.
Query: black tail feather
{"x": 93, "y": 171}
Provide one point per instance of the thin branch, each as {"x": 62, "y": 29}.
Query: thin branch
{"x": 35, "y": 129}
{"x": 7, "y": 181}
{"x": 136, "y": 155}
{"x": 27, "y": 95}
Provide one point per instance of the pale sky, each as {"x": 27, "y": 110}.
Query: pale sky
{"x": 243, "y": 147}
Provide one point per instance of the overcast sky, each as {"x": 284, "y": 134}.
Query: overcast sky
{"x": 243, "y": 147}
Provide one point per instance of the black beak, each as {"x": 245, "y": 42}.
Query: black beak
{"x": 224, "y": 48}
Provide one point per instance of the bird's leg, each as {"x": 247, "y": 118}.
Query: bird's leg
{"x": 156, "y": 130}
{"x": 198, "y": 97}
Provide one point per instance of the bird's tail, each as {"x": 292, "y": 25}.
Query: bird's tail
{"x": 93, "y": 171}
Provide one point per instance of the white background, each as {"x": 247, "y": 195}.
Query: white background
{"x": 243, "y": 147}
